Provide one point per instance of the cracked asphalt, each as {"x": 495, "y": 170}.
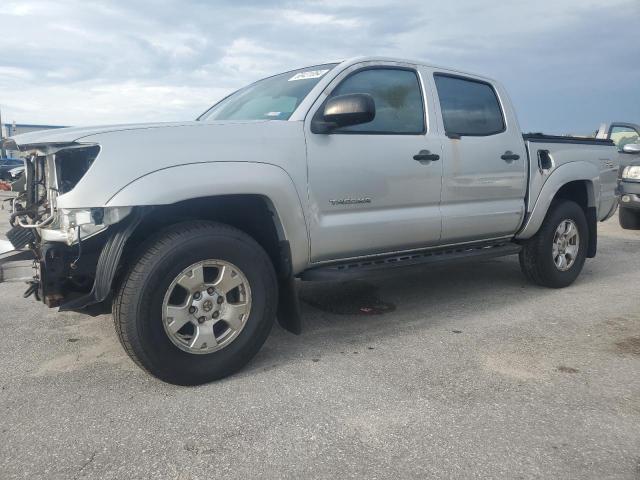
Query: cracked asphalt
{"x": 464, "y": 371}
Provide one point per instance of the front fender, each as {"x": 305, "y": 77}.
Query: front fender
{"x": 569, "y": 172}
{"x": 197, "y": 180}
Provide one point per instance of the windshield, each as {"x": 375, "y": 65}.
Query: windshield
{"x": 273, "y": 98}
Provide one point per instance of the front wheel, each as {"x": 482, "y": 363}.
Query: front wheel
{"x": 198, "y": 304}
{"x": 554, "y": 257}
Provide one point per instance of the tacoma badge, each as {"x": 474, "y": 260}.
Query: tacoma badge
{"x": 350, "y": 201}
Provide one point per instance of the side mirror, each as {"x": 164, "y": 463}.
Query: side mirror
{"x": 344, "y": 111}
{"x": 631, "y": 148}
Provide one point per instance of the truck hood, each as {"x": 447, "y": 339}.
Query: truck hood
{"x": 129, "y": 153}
{"x": 74, "y": 134}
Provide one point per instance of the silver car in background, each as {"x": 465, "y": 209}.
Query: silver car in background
{"x": 626, "y": 137}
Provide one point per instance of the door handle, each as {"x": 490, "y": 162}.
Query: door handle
{"x": 509, "y": 156}
{"x": 426, "y": 155}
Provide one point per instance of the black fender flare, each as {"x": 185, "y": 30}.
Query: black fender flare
{"x": 108, "y": 263}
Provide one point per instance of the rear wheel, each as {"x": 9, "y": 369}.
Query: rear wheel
{"x": 554, "y": 257}
{"x": 629, "y": 218}
{"x": 198, "y": 304}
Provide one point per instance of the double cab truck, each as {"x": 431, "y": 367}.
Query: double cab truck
{"x": 626, "y": 137}
{"x": 194, "y": 235}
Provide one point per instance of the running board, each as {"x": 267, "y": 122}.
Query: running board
{"x": 371, "y": 265}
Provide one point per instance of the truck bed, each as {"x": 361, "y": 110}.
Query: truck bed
{"x": 601, "y": 154}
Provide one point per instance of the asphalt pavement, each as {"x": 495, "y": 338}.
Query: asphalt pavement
{"x": 465, "y": 371}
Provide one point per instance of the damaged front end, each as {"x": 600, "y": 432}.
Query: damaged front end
{"x": 73, "y": 251}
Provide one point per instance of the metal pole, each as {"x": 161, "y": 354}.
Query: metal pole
{"x": 3, "y": 153}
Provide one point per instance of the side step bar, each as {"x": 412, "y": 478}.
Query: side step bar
{"x": 371, "y": 265}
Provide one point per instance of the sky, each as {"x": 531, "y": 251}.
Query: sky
{"x": 568, "y": 64}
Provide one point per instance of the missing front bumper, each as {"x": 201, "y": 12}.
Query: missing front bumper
{"x": 72, "y": 277}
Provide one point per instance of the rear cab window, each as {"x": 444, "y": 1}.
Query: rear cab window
{"x": 469, "y": 107}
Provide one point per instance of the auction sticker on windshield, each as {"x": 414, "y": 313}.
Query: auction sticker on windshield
{"x": 308, "y": 74}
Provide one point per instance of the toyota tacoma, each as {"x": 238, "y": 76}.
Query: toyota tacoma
{"x": 195, "y": 234}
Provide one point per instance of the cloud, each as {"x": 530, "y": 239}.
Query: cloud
{"x": 568, "y": 64}
{"x": 304, "y": 18}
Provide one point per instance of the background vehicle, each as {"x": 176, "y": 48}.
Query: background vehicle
{"x": 323, "y": 173}
{"x": 626, "y": 137}
{"x": 17, "y": 179}
{"x": 16, "y": 173}
{"x": 8, "y": 164}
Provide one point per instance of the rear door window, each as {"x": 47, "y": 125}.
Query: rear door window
{"x": 469, "y": 107}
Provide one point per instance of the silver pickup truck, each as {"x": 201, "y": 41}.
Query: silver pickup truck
{"x": 194, "y": 234}
{"x": 626, "y": 137}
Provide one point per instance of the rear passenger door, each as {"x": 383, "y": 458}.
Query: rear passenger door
{"x": 485, "y": 169}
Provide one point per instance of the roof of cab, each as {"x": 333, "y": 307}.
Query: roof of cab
{"x": 363, "y": 59}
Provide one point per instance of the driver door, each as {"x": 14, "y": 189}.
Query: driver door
{"x": 367, "y": 193}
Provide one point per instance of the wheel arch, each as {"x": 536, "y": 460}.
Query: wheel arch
{"x": 255, "y": 196}
{"x": 577, "y": 181}
{"x": 253, "y": 214}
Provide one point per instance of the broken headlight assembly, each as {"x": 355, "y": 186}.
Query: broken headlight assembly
{"x": 76, "y": 224}
{"x": 50, "y": 171}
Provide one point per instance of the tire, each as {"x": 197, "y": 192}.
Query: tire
{"x": 629, "y": 218}
{"x": 537, "y": 259}
{"x": 141, "y": 300}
